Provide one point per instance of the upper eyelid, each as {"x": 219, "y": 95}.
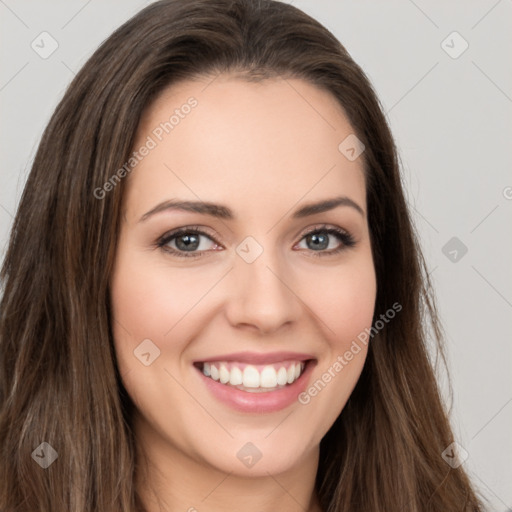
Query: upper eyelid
{"x": 187, "y": 229}
{"x": 204, "y": 232}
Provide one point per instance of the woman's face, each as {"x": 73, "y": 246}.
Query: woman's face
{"x": 245, "y": 294}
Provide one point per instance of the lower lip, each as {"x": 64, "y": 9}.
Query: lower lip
{"x": 259, "y": 402}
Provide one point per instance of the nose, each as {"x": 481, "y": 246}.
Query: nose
{"x": 262, "y": 295}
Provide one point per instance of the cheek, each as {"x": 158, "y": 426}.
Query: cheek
{"x": 147, "y": 302}
{"x": 149, "y": 299}
{"x": 344, "y": 300}
{"x": 143, "y": 308}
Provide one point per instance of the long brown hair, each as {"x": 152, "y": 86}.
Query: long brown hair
{"x": 59, "y": 382}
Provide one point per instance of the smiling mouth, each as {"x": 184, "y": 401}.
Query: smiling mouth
{"x": 253, "y": 378}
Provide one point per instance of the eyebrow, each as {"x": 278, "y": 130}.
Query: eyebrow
{"x": 223, "y": 212}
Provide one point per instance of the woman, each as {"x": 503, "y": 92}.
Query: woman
{"x": 213, "y": 290}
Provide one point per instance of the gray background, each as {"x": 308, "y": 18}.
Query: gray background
{"x": 452, "y": 119}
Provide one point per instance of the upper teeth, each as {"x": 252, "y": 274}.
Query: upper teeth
{"x": 252, "y": 376}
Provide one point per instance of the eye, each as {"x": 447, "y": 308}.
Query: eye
{"x": 186, "y": 242}
{"x": 319, "y": 239}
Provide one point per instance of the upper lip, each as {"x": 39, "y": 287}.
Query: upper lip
{"x": 258, "y": 358}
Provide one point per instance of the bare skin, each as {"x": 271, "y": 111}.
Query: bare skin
{"x": 264, "y": 150}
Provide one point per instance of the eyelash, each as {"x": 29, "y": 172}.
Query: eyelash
{"x": 346, "y": 238}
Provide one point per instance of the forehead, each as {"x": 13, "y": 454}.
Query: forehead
{"x": 223, "y": 138}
